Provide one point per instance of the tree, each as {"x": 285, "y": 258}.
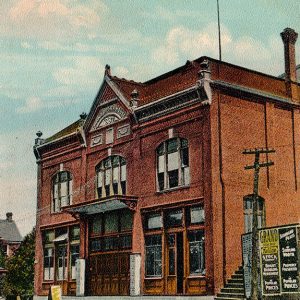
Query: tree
{"x": 2, "y": 258}
{"x": 20, "y": 268}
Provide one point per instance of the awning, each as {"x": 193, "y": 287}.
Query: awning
{"x": 61, "y": 238}
{"x": 98, "y": 207}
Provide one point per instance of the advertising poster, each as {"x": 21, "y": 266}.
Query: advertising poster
{"x": 279, "y": 260}
{"x": 289, "y": 260}
{"x": 269, "y": 262}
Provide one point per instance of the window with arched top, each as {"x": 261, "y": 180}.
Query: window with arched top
{"x": 248, "y": 213}
{"x": 111, "y": 176}
{"x": 173, "y": 164}
{"x": 61, "y": 190}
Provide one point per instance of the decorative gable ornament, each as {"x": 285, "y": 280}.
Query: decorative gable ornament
{"x": 108, "y": 115}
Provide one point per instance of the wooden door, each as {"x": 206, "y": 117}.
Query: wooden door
{"x": 109, "y": 274}
{"x": 174, "y": 266}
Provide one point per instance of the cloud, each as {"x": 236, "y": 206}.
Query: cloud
{"x": 85, "y": 72}
{"x": 33, "y": 104}
{"x": 182, "y": 43}
{"x": 187, "y": 43}
{"x": 55, "y": 19}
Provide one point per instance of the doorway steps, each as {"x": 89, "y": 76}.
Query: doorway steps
{"x": 234, "y": 288}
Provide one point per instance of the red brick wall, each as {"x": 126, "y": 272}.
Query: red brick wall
{"x": 251, "y": 124}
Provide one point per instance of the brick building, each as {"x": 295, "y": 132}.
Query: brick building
{"x": 149, "y": 189}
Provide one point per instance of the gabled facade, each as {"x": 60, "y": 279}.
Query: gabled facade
{"x": 149, "y": 188}
{"x": 10, "y": 237}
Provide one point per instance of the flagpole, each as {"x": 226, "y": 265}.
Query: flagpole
{"x": 219, "y": 32}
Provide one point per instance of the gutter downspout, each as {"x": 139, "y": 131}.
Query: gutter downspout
{"x": 222, "y": 184}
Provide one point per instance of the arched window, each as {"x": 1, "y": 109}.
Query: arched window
{"x": 248, "y": 213}
{"x": 61, "y": 190}
{"x": 173, "y": 164}
{"x": 111, "y": 176}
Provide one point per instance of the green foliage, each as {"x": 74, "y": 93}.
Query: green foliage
{"x": 2, "y": 258}
{"x": 20, "y": 267}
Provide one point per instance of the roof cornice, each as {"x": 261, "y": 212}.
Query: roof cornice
{"x": 250, "y": 92}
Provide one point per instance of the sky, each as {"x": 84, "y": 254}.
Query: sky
{"x": 53, "y": 53}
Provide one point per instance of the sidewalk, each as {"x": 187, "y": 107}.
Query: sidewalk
{"x": 130, "y": 298}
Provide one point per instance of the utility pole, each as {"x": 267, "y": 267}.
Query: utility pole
{"x": 219, "y": 31}
{"x": 256, "y": 166}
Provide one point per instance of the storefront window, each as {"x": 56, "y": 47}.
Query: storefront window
{"x": 196, "y": 250}
{"x": 74, "y": 253}
{"x": 62, "y": 262}
{"x": 153, "y": 256}
{"x": 48, "y": 264}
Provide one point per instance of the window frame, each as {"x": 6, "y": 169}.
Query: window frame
{"x": 248, "y": 212}
{"x": 160, "y": 251}
{"x": 200, "y": 244}
{"x": 56, "y": 188}
{"x": 165, "y": 177}
{"x": 166, "y": 230}
{"x": 120, "y": 240}
{"x": 73, "y": 240}
{"x": 105, "y": 173}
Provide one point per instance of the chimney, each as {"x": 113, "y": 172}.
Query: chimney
{"x": 289, "y": 37}
{"x": 9, "y": 217}
{"x": 107, "y": 70}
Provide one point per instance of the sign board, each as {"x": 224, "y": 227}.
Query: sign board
{"x": 135, "y": 274}
{"x": 80, "y": 276}
{"x": 289, "y": 259}
{"x": 279, "y": 260}
{"x": 269, "y": 261}
{"x": 56, "y": 292}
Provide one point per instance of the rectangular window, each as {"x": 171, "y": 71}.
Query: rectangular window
{"x": 75, "y": 233}
{"x": 116, "y": 180}
{"x": 107, "y": 181}
{"x": 99, "y": 183}
{"x": 62, "y": 262}
{"x": 97, "y": 225}
{"x": 174, "y": 218}
{"x": 74, "y": 252}
{"x": 126, "y": 220}
{"x": 173, "y": 161}
{"x": 173, "y": 178}
{"x": 172, "y": 258}
{"x": 95, "y": 245}
{"x": 197, "y": 252}
{"x": 153, "y": 256}
{"x": 110, "y": 243}
{"x": 125, "y": 242}
{"x": 154, "y": 221}
{"x": 197, "y": 215}
{"x": 48, "y": 264}
{"x": 111, "y": 223}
